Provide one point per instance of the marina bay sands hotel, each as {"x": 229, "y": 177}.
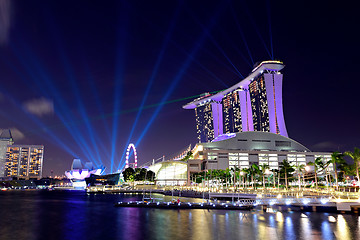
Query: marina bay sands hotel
{"x": 253, "y": 104}
{"x": 238, "y": 127}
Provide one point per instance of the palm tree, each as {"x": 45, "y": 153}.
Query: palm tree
{"x": 246, "y": 171}
{"x": 228, "y": 177}
{"x": 253, "y": 170}
{"x": 264, "y": 167}
{"x": 318, "y": 164}
{"x": 299, "y": 169}
{"x": 276, "y": 173}
{"x": 336, "y": 157}
{"x": 287, "y": 168}
{"x": 356, "y": 157}
{"x": 235, "y": 171}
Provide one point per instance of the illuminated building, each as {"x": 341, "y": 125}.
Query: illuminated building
{"x": 241, "y": 126}
{"x": 170, "y": 173}
{"x": 253, "y": 104}
{"x": 77, "y": 174}
{"x": 246, "y": 148}
{"x": 236, "y": 150}
{"x": 24, "y": 161}
{"x": 231, "y": 113}
{"x": 5, "y": 140}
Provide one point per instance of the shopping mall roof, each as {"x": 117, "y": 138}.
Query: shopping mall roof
{"x": 255, "y": 141}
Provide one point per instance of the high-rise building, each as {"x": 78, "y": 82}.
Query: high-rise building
{"x": 24, "y": 161}
{"x": 231, "y": 112}
{"x": 253, "y": 104}
{"x": 204, "y": 118}
{"x": 5, "y": 140}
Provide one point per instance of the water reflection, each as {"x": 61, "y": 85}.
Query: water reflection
{"x": 289, "y": 228}
{"x": 306, "y": 226}
{"x": 72, "y": 215}
{"x": 326, "y": 230}
{"x": 343, "y": 231}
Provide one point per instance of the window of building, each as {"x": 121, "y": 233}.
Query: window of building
{"x": 282, "y": 144}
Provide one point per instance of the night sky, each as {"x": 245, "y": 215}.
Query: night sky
{"x": 74, "y": 75}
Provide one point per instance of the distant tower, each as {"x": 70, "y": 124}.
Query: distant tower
{"x": 253, "y": 104}
{"x": 5, "y": 140}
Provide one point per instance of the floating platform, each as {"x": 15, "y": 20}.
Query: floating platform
{"x": 184, "y": 205}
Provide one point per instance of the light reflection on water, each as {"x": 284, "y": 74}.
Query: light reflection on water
{"x": 75, "y": 215}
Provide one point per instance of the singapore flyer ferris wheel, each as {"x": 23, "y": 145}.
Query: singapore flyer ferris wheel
{"x": 131, "y": 145}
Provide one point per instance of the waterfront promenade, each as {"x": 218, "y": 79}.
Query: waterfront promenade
{"x": 309, "y": 200}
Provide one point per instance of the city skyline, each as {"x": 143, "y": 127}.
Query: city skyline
{"x": 75, "y": 75}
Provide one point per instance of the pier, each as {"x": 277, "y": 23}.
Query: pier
{"x": 187, "y": 205}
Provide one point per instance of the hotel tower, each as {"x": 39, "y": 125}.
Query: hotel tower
{"x": 253, "y": 104}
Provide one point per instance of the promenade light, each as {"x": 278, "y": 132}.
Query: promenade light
{"x": 324, "y": 200}
{"x": 307, "y": 168}
{"x": 332, "y": 219}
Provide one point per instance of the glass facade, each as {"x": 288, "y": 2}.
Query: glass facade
{"x": 296, "y": 159}
{"x": 259, "y": 104}
{"x": 270, "y": 159}
{"x": 243, "y": 159}
{"x": 204, "y": 123}
{"x": 231, "y": 113}
{"x": 239, "y": 160}
{"x": 172, "y": 173}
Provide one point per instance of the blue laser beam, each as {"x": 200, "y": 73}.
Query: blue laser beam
{"x": 42, "y": 80}
{"x": 173, "y": 42}
{"x": 152, "y": 78}
{"x": 63, "y": 114}
{"x": 121, "y": 34}
{"x": 180, "y": 74}
{"x": 80, "y": 106}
